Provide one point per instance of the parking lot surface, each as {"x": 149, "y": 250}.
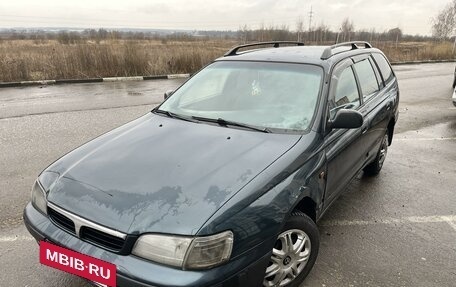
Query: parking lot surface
{"x": 398, "y": 229}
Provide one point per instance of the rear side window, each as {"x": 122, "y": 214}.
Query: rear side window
{"x": 367, "y": 79}
{"x": 384, "y": 67}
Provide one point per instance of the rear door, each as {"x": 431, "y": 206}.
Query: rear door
{"x": 375, "y": 107}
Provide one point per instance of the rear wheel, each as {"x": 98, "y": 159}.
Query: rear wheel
{"x": 294, "y": 252}
{"x": 374, "y": 167}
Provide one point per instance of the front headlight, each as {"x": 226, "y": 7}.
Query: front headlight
{"x": 210, "y": 251}
{"x": 186, "y": 252}
{"x": 169, "y": 250}
{"x": 39, "y": 200}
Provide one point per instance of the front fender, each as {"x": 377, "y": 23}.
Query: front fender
{"x": 258, "y": 224}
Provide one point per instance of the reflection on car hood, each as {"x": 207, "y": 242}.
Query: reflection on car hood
{"x": 157, "y": 174}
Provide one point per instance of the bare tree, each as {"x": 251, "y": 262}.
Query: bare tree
{"x": 347, "y": 28}
{"x": 262, "y": 32}
{"x": 243, "y": 34}
{"x": 395, "y": 35}
{"x": 300, "y": 29}
{"x": 444, "y": 24}
{"x": 372, "y": 33}
{"x": 321, "y": 32}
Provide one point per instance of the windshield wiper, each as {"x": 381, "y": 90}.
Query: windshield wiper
{"x": 225, "y": 123}
{"x": 173, "y": 115}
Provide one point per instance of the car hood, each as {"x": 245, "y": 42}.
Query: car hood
{"x": 158, "y": 174}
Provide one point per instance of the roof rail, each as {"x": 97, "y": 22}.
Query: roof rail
{"x": 354, "y": 46}
{"x": 233, "y": 51}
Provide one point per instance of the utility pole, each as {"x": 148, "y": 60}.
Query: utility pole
{"x": 311, "y": 14}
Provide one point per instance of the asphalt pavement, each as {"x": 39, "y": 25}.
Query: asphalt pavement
{"x": 397, "y": 229}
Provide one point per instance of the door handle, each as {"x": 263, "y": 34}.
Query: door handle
{"x": 364, "y": 130}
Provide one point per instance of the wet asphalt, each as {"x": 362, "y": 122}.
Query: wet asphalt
{"x": 397, "y": 229}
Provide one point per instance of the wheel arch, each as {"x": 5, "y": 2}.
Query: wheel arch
{"x": 307, "y": 206}
{"x": 390, "y": 130}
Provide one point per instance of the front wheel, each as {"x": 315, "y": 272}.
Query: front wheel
{"x": 294, "y": 252}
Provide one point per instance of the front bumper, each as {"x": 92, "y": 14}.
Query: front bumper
{"x": 246, "y": 270}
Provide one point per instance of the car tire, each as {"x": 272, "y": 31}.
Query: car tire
{"x": 375, "y": 167}
{"x": 454, "y": 82}
{"x": 290, "y": 266}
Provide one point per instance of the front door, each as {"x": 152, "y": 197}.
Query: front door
{"x": 344, "y": 147}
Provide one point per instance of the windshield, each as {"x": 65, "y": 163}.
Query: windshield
{"x": 269, "y": 95}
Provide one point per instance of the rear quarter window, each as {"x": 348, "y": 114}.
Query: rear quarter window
{"x": 384, "y": 67}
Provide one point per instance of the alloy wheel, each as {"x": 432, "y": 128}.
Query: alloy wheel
{"x": 289, "y": 257}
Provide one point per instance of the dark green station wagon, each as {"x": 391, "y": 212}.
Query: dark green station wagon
{"x": 223, "y": 183}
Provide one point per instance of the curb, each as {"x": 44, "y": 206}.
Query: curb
{"x": 92, "y": 80}
{"x": 159, "y": 77}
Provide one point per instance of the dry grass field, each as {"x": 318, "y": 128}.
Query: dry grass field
{"x": 24, "y": 60}
{"x": 417, "y": 51}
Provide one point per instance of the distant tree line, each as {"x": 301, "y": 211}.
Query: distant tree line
{"x": 320, "y": 34}
{"x": 98, "y": 35}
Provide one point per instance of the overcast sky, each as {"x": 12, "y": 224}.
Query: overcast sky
{"x": 412, "y": 16}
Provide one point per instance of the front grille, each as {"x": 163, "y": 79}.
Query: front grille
{"x": 102, "y": 239}
{"x": 61, "y": 220}
{"x": 93, "y": 234}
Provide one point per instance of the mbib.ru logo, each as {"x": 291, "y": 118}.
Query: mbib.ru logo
{"x": 79, "y": 264}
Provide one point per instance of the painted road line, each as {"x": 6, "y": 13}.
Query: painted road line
{"x": 425, "y": 139}
{"x": 178, "y": 76}
{"x": 16, "y": 238}
{"x": 159, "y": 77}
{"x": 411, "y": 219}
{"x": 43, "y": 82}
{"x": 122, "y": 79}
{"x": 79, "y": 81}
{"x": 450, "y": 221}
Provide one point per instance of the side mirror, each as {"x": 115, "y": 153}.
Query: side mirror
{"x": 347, "y": 119}
{"x": 168, "y": 94}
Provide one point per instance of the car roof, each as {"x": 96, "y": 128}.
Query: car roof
{"x": 298, "y": 54}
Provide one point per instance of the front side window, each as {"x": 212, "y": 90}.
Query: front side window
{"x": 262, "y": 94}
{"x": 346, "y": 95}
{"x": 367, "y": 79}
